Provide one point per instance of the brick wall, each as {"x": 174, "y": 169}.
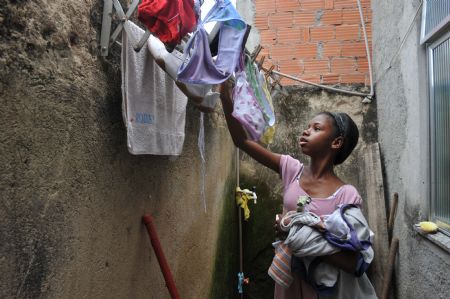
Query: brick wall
{"x": 317, "y": 40}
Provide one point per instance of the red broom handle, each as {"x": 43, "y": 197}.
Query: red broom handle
{"x": 170, "y": 283}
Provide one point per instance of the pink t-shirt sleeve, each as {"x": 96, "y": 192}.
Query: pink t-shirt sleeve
{"x": 349, "y": 195}
{"x": 289, "y": 169}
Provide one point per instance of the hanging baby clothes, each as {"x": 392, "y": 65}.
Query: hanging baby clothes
{"x": 154, "y": 109}
{"x": 245, "y": 107}
{"x": 169, "y": 20}
{"x": 198, "y": 65}
{"x": 265, "y": 103}
{"x": 269, "y": 132}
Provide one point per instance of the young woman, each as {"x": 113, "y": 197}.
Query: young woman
{"x": 328, "y": 140}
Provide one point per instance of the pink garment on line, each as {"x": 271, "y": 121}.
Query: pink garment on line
{"x": 290, "y": 172}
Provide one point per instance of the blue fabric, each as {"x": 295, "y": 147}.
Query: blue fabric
{"x": 354, "y": 244}
{"x": 198, "y": 66}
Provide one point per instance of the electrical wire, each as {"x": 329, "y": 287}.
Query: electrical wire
{"x": 401, "y": 44}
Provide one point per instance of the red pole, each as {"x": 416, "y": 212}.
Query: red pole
{"x": 170, "y": 283}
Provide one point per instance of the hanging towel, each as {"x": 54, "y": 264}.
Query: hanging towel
{"x": 154, "y": 109}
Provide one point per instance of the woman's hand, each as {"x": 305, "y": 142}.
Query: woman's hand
{"x": 279, "y": 233}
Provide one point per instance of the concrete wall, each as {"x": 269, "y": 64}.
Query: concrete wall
{"x": 72, "y": 197}
{"x": 401, "y": 89}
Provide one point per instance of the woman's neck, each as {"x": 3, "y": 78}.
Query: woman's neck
{"x": 320, "y": 168}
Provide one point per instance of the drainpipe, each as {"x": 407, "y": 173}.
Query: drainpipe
{"x": 170, "y": 283}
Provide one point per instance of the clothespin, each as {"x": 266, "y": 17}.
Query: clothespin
{"x": 256, "y": 52}
{"x": 277, "y": 81}
{"x": 261, "y": 61}
{"x": 269, "y": 71}
{"x": 241, "y": 281}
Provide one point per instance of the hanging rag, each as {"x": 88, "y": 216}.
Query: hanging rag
{"x": 246, "y": 109}
{"x": 242, "y": 198}
{"x": 169, "y": 20}
{"x": 198, "y": 65}
{"x": 154, "y": 109}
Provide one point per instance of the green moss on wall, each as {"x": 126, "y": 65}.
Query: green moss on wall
{"x": 226, "y": 266}
{"x": 258, "y": 235}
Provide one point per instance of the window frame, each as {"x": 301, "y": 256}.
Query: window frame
{"x": 438, "y": 30}
{"x": 430, "y": 47}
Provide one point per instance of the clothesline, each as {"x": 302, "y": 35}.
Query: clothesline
{"x": 269, "y": 71}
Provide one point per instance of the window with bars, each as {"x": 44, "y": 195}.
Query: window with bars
{"x": 436, "y": 33}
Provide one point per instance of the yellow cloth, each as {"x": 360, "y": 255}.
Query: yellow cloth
{"x": 242, "y": 198}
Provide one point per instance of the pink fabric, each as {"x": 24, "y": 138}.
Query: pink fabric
{"x": 246, "y": 109}
{"x": 290, "y": 172}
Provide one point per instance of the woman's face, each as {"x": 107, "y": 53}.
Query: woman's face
{"x": 318, "y": 136}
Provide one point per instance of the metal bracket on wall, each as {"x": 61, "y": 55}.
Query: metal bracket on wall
{"x": 106, "y": 38}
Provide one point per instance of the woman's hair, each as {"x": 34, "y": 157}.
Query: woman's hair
{"x": 346, "y": 128}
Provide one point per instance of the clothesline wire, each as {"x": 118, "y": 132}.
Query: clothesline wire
{"x": 319, "y": 85}
{"x": 366, "y": 42}
{"x": 401, "y": 44}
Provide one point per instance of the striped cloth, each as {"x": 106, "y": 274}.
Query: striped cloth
{"x": 280, "y": 269}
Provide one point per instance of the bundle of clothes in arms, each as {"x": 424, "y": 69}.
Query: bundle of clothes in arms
{"x": 157, "y": 80}
{"x": 346, "y": 229}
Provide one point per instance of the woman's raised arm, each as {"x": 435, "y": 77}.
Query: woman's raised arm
{"x": 252, "y": 148}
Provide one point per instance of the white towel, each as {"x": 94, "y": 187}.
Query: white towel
{"x": 154, "y": 109}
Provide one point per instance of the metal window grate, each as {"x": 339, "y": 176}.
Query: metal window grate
{"x": 440, "y": 117}
{"x": 436, "y": 15}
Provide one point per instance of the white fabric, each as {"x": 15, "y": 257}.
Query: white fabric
{"x": 154, "y": 109}
{"x": 172, "y": 62}
{"x": 337, "y": 226}
{"x": 307, "y": 243}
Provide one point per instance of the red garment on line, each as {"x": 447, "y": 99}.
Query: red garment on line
{"x": 169, "y": 20}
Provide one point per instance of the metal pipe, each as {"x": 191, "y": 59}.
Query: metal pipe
{"x": 355, "y": 93}
{"x": 170, "y": 283}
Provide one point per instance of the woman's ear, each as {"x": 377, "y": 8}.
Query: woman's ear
{"x": 337, "y": 143}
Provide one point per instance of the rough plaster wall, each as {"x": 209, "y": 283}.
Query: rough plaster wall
{"x": 72, "y": 197}
{"x": 293, "y": 113}
{"x": 246, "y": 9}
{"x": 422, "y": 268}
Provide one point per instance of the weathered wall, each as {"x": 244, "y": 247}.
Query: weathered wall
{"x": 401, "y": 88}
{"x": 72, "y": 197}
{"x": 317, "y": 40}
